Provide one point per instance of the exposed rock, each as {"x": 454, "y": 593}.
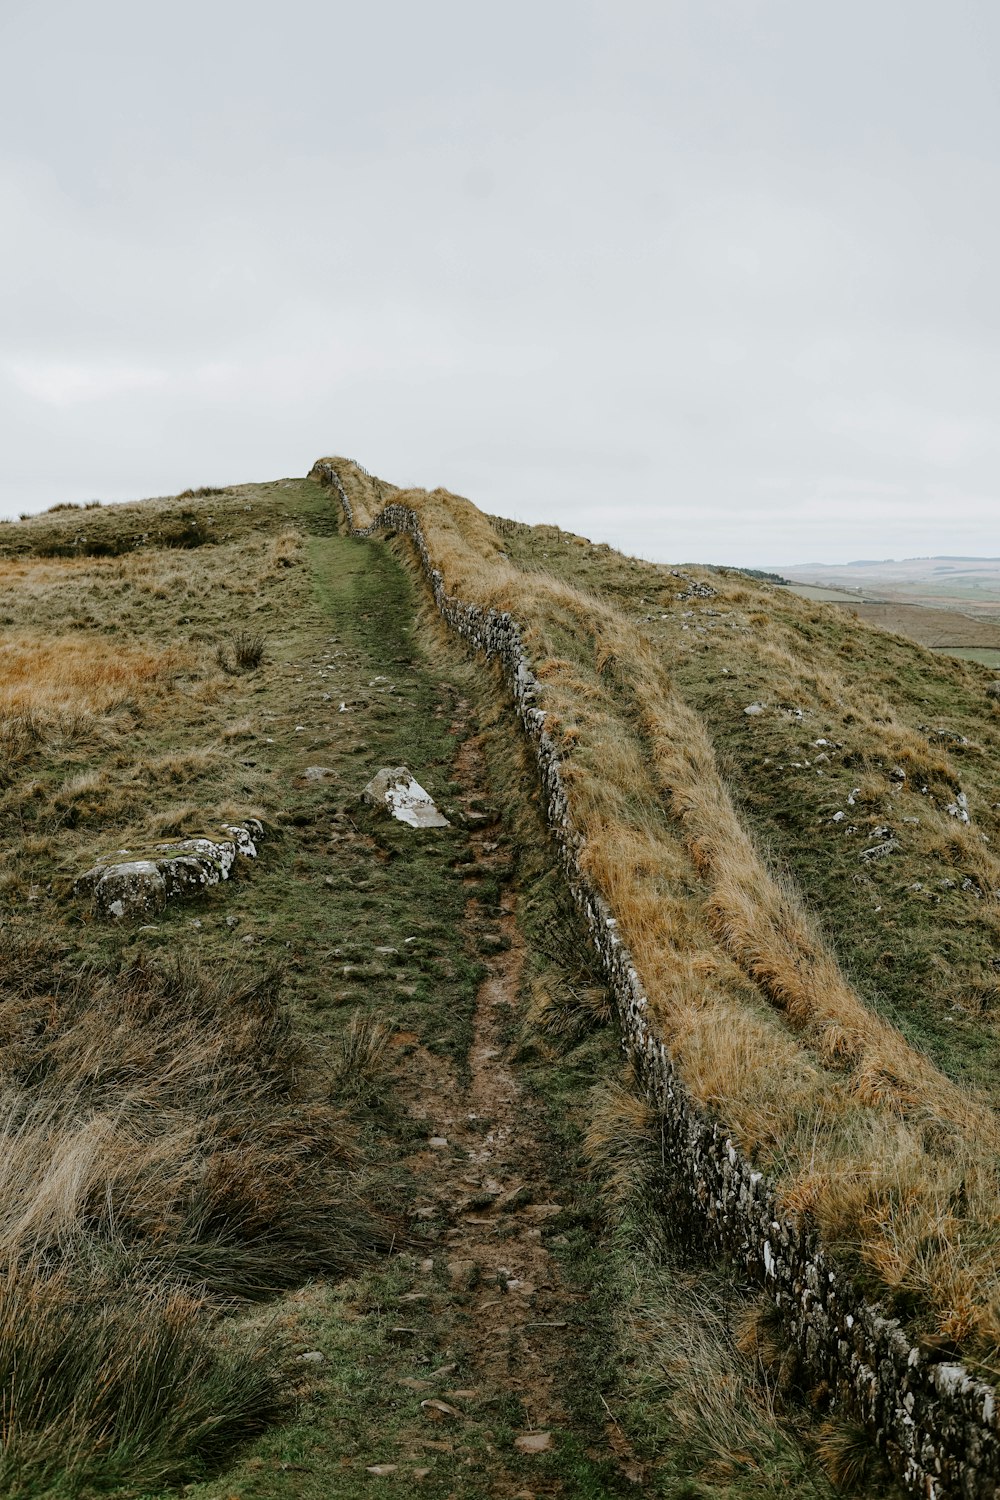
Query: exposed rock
{"x": 959, "y": 808}
{"x": 313, "y": 774}
{"x": 533, "y": 1442}
{"x": 752, "y": 709}
{"x": 134, "y": 883}
{"x": 879, "y": 851}
{"x": 395, "y": 789}
{"x": 133, "y": 889}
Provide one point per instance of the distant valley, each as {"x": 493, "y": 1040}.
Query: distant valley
{"x": 949, "y": 604}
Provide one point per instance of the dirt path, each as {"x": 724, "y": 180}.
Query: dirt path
{"x": 482, "y": 1182}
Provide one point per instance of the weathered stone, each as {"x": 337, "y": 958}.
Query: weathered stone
{"x": 404, "y": 798}
{"x": 313, "y": 774}
{"x": 879, "y": 851}
{"x": 184, "y": 874}
{"x": 128, "y": 891}
{"x": 132, "y": 882}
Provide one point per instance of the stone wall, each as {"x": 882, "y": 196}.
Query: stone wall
{"x": 936, "y": 1423}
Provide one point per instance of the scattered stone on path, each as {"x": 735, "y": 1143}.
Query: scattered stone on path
{"x": 533, "y": 1442}
{"x": 395, "y": 789}
{"x": 461, "y": 1272}
{"x": 439, "y": 1410}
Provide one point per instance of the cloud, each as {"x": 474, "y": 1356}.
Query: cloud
{"x": 706, "y": 280}
{"x": 61, "y": 383}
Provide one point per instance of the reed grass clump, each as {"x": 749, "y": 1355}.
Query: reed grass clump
{"x": 245, "y": 653}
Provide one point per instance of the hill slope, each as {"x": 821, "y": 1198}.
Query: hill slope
{"x": 389, "y": 1145}
{"x": 877, "y": 1031}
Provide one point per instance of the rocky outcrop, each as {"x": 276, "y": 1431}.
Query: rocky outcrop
{"x": 130, "y": 884}
{"x": 937, "y": 1424}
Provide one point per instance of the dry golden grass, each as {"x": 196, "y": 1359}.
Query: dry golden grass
{"x": 860, "y": 1129}
{"x": 71, "y": 674}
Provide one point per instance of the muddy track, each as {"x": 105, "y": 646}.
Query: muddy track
{"x": 481, "y": 1181}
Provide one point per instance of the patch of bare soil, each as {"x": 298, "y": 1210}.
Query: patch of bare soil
{"x": 482, "y": 1176}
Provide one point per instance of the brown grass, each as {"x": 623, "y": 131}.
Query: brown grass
{"x": 76, "y": 673}
{"x": 166, "y": 1149}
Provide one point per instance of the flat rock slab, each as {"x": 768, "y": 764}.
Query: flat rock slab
{"x": 138, "y": 883}
{"x": 404, "y": 798}
{"x": 314, "y": 774}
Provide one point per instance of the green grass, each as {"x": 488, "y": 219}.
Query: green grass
{"x": 332, "y": 884}
{"x": 347, "y": 931}
{"x": 987, "y": 656}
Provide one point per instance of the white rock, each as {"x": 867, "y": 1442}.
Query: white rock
{"x": 396, "y": 790}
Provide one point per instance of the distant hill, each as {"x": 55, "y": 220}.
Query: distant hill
{"x": 975, "y": 578}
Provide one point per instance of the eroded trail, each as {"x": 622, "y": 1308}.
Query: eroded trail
{"x": 481, "y": 1181}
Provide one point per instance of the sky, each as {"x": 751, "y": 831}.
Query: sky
{"x": 711, "y": 281}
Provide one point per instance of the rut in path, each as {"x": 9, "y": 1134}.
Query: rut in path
{"x": 482, "y": 1173}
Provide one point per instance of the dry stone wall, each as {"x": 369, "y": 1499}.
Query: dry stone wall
{"x": 935, "y": 1422}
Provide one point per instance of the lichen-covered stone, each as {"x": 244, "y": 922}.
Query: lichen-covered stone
{"x": 395, "y": 789}
{"x": 133, "y": 883}
{"x": 130, "y": 890}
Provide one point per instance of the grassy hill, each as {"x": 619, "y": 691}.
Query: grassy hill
{"x": 328, "y": 1179}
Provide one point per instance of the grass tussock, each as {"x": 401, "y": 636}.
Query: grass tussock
{"x": 361, "y": 1064}
{"x": 861, "y": 1130}
{"x": 164, "y": 1156}
{"x": 245, "y": 652}
{"x": 113, "y": 1383}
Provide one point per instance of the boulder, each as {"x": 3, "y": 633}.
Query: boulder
{"x": 404, "y": 798}
{"x": 135, "y": 883}
{"x": 134, "y": 889}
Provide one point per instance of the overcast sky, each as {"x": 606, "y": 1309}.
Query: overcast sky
{"x": 711, "y": 281}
